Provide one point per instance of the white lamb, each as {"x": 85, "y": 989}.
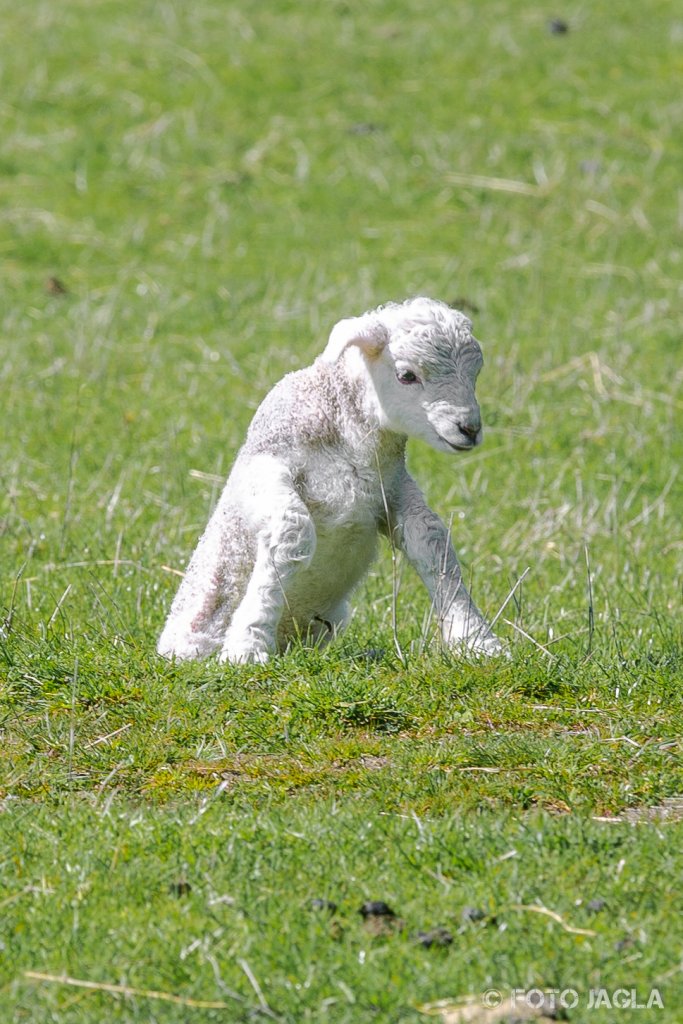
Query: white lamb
{"x": 321, "y": 472}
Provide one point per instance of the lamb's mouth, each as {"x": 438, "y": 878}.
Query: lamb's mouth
{"x": 458, "y": 447}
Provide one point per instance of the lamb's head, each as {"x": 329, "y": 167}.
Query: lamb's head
{"x": 422, "y": 362}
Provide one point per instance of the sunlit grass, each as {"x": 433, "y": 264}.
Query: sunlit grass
{"x": 190, "y": 197}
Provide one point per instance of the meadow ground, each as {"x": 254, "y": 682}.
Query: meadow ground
{"x": 190, "y": 196}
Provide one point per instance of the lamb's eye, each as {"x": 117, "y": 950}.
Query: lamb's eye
{"x": 407, "y": 377}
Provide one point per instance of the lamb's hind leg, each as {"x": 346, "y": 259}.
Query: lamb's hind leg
{"x": 286, "y": 544}
{"x": 196, "y": 623}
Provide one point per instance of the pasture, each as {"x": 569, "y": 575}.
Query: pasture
{"x": 190, "y": 196}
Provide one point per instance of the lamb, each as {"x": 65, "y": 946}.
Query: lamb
{"x": 322, "y": 472}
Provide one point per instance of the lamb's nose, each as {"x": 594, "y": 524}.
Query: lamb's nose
{"x": 470, "y": 428}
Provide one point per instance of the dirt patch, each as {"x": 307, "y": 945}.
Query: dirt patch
{"x": 670, "y": 810}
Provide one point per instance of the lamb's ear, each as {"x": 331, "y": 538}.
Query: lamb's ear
{"x": 367, "y": 332}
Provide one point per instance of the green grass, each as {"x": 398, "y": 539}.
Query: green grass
{"x": 215, "y": 185}
{"x": 182, "y": 899}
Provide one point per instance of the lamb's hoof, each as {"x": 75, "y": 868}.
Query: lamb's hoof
{"x": 480, "y": 647}
{"x": 243, "y": 655}
{"x": 183, "y": 650}
{"x": 490, "y": 647}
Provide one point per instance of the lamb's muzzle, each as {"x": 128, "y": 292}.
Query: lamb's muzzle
{"x": 321, "y": 473}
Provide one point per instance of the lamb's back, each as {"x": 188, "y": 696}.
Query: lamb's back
{"x": 308, "y": 408}
{"x": 315, "y": 421}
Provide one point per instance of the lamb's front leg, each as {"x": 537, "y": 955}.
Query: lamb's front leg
{"x": 286, "y": 542}
{"x": 422, "y": 537}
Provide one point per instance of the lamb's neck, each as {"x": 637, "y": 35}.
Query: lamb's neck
{"x": 362, "y": 415}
